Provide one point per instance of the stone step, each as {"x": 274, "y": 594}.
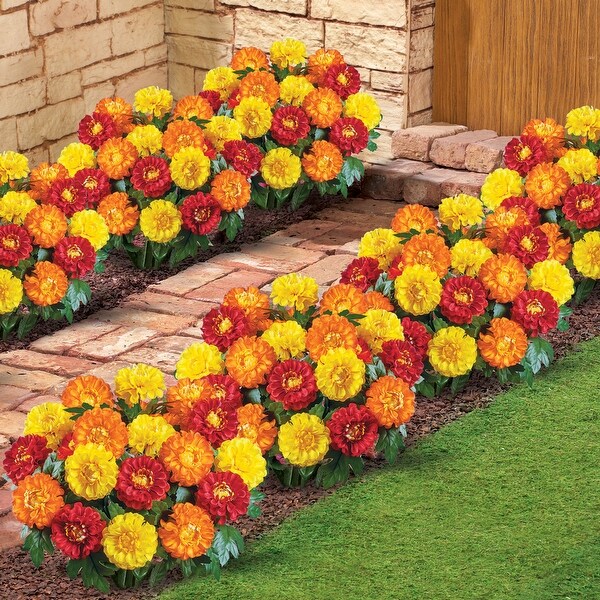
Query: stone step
{"x": 415, "y": 143}
{"x": 450, "y": 151}
{"x": 487, "y": 155}
{"x": 386, "y": 182}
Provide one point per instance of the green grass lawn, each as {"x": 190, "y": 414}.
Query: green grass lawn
{"x": 501, "y": 505}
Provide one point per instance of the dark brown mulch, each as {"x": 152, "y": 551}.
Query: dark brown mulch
{"x": 20, "y": 580}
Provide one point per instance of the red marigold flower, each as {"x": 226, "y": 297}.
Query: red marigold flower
{"x": 67, "y": 196}
{"x": 403, "y": 360}
{"x": 151, "y": 176}
{"x": 75, "y": 255}
{"x": 94, "y": 185}
{"x": 141, "y": 481}
{"x": 529, "y": 244}
{"x": 523, "y": 153}
{"x": 527, "y": 205}
{"x": 536, "y": 311}
{"x": 354, "y": 430}
{"x": 96, "y": 128}
{"x": 234, "y": 99}
{"x": 242, "y": 156}
{"x": 396, "y": 268}
{"x": 292, "y": 383}
{"x": 66, "y": 447}
{"x": 15, "y": 245}
{"x": 223, "y": 388}
{"x": 343, "y": 79}
{"x": 224, "y": 496}
{"x": 208, "y": 149}
{"x": 77, "y": 530}
{"x": 213, "y": 97}
{"x": 361, "y": 273}
{"x": 214, "y": 420}
{"x": 462, "y": 299}
{"x": 582, "y": 205}
{"x": 416, "y": 334}
{"x": 223, "y": 325}
{"x": 27, "y": 453}
{"x": 350, "y": 135}
{"x": 290, "y": 123}
{"x": 200, "y": 213}
{"x": 363, "y": 351}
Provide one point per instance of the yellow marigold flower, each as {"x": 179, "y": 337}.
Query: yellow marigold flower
{"x": 499, "y": 185}
{"x": 379, "y": 326}
{"x": 90, "y": 225}
{"x": 11, "y": 292}
{"x": 460, "y": 211}
{"x": 586, "y": 255}
{"x": 160, "y": 221}
{"x": 287, "y": 338}
{"x": 147, "y": 139}
{"x": 417, "y": 290}
{"x": 139, "y": 383}
{"x": 47, "y": 285}
{"x": 295, "y": 291}
{"x": 37, "y": 499}
{"x": 323, "y": 161}
{"x": 254, "y": 116}
{"x": 414, "y": 216}
{"x": 91, "y": 471}
{"x": 323, "y": 106}
{"x": 190, "y": 168}
{"x": 294, "y": 89}
{"x": 51, "y": 421}
{"x": 153, "y": 101}
{"x": 15, "y": 206}
{"x": 254, "y": 424}
{"x": 147, "y": 433}
{"x": 103, "y": 427}
{"x": 584, "y": 122}
{"x": 503, "y": 344}
{"x": 287, "y": 53}
{"x": 222, "y": 80}
{"x": 304, "y": 440}
{"x": 221, "y": 129}
{"x": 391, "y": 401}
{"x": 129, "y": 542}
{"x": 554, "y": 278}
{"x": 280, "y": 168}
{"x": 188, "y": 532}
{"x": 340, "y": 374}
{"x": 188, "y": 456}
{"x": 580, "y": 164}
{"x": 76, "y": 156}
{"x": 199, "y": 360}
{"x": 381, "y": 244}
{"x": 452, "y": 352}
{"x": 243, "y": 457}
{"x": 12, "y": 166}
{"x": 364, "y": 107}
{"x": 469, "y": 255}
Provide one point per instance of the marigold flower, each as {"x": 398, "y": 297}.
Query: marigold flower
{"x": 343, "y": 79}
{"x": 416, "y": 333}
{"x": 528, "y": 206}
{"x": 320, "y": 61}
{"x": 26, "y": 454}
{"x": 141, "y": 481}
{"x": 147, "y": 139}
{"x": 222, "y": 80}
{"x": 254, "y": 424}
{"x": 548, "y": 131}
{"x": 460, "y": 211}
{"x": 584, "y": 122}
{"x": 379, "y": 326}
{"x": 231, "y": 190}
{"x": 222, "y": 388}
{"x": 46, "y": 224}
{"x": 129, "y": 541}
{"x": 151, "y": 176}
{"x": 77, "y": 156}
{"x": 188, "y": 531}
{"x": 581, "y": 204}
{"x": 350, "y": 135}
{"x": 364, "y": 107}
{"x": 147, "y": 433}
{"x": 182, "y": 134}
{"x": 120, "y": 111}
{"x": 560, "y": 243}
{"x": 580, "y": 164}
{"x": 528, "y": 244}
{"x": 119, "y": 214}
{"x": 254, "y": 116}
{"x": 536, "y": 311}
{"x": 224, "y": 496}
{"x": 242, "y": 456}
{"x": 190, "y": 168}
{"x": 153, "y": 101}
{"x": 452, "y": 352}
{"x": 199, "y": 360}
{"x": 323, "y": 161}
{"x": 552, "y": 277}
{"x": 323, "y": 106}
{"x": 289, "y": 124}
{"x": 260, "y": 84}
{"x": 15, "y": 245}
{"x": 586, "y": 255}
{"x": 116, "y": 157}
{"x": 188, "y": 456}
{"x": 95, "y": 129}
{"x": 546, "y": 183}
{"x": 91, "y": 471}
{"x": 87, "y": 389}
{"x": 340, "y": 374}
{"x": 292, "y": 382}
{"x": 304, "y": 440}
{"x": 193, "y": 107}
{"x": 12, "y": 166}
{"x": 381, "y": 244}
{"x": 362, "y": 273}
{"x": 522, "y": 154}
{"x": 103, "y": 427}
{"x": 287, "y": 338}
{"x": 75, "y": 255}
{"x": 160, "y": 221}
{"x": 499, "y": 185}
{"x": 93, "y": 185}
{"x": 418, "y": 290}
{"x": 280, "y": 168}
{"x": 255, "y": 305}
{"x": 42, "y": 178}
{"x": 403, "y": 360}
{"x": 288, "y": 52}
{"x": 47, "y": 285}
{"x": 221, "y": 129}
{"x": 49, "y": 420}
{"x": 343, "y": 297}
{"x": 295, "y": 291}
{"x": 249, "y": 361}
{"x": 242, "y": 156}
{"x": 214, "y": 420}
{"x": 428, "y": 250}
{"x": 223, "y": 325}
{"x": 462, "y": 299}
{"x": 37, "y": 499}
{"x": 504, "y": 276}
{"x": 501, "y": 222}
{"x": 77, "y": 530}
{"x": 391, "y": 401}
{"x": 249, "y": 57}
{"x": 15, "y": 206}
{"x": 353, "y": 429}
{"x": 503, "y": 344}
{"x": 328, "y": 332}
{"x": 90, "y": 225}
{"x": 66, "y": 195}
{"x": 414, "y": 217}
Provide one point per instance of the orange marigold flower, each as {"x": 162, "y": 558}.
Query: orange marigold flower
{"x": 193, "y": 107}
{"x": 329, "y": 332}
{"x": 182, "y": 134}
{"x": 341, "y": 297}
{"x": 188, "y": 531}
{"x": 504, "y": 276}
{"x": 320, "y": 61}
{"x": 46, "y": 224}
{"x": 231, "y": 190}
{"x": 47, "y": 285}
{"x": 249, "y": 360}
{"x": 499, "y": 224}
{"x": 503, "y": 344}
{"x": 103, "y": 427}
{"x": 120, "y": 111}
{"x": 378, "y": 300}
{"x": 255, "y": 425}
{"x": 260, "y": 84}
{"x": 414, "y": 216}
{"x": 87, "y": 389}
{"x": 391, "y": 401}
{"x": 551, "y": 133}
{"x": 116, "y": 157}
{"x": 181, "y": 398}
{"x": 188, "y": 456}
{"x": 42, "y": 178}
{"x": 546, "y": 184}
{"x": 323, "y": 106}
{"x": 120, "y": 215}
{"x": 37, "y": 499}
{"x": 429, "y": 250}
{"x": 255, "y": 305}
{"x": 560, "y": 245}
{"x": 249, "y": 57}
{"x": 323, "y": 161}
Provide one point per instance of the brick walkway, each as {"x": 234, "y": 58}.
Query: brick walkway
{"x": 156, "y": 325}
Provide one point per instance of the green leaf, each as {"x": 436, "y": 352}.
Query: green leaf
{"x": 499, "y": 310}
{"x": 228, "y": 543}
{"x": 352, "y": 170}
{"x": 539, "y": 354}
{"x": 439, "y": 324}
{"x": 79, "y": 293}
{"x": 371, "y": 146}
{"x": 230, "y": 223}
{"x": 390, "y": 442}
{"x": 425, "y": 389}
{"x": 214, "y": 566}
{"x": 74, "y": 567}
{"x": 583, "y": 290}
{"x": 184, "y": 494}
{"x": 335, "y": 469}
{"x": 458, "y": 383}
{"x": 158, "y": 572}
{"x": 115, "y": 509}
{"x": 119, "y": 185}
{"x": 26, "y": 324}
{"x": 253, "y": 395}
{"x": 300, "y": 194}
{"x": 320, "y": 134}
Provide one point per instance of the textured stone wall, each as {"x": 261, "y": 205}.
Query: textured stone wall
{"x": 389, "y": 41}
{"x": 59, "y": 57}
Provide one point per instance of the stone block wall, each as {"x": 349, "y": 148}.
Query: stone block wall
{"x": 59, "y": 57}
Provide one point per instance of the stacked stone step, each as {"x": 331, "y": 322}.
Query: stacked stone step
{"x": 431, "y": 162}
